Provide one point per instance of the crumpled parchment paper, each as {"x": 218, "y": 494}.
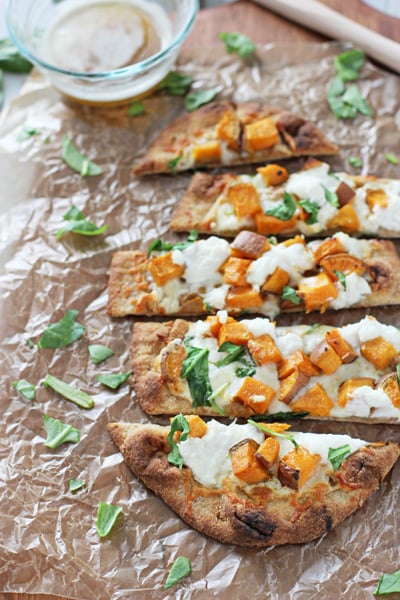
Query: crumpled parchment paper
{"x": 48, "y": 540}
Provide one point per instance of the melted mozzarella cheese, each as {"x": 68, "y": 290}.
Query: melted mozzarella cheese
{"x": 203, "y": 260}
{"x": 294, "y": 259}
{"x": 357, "y": 288}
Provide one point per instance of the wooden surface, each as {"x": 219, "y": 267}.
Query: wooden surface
{"x": 262, "y": 26}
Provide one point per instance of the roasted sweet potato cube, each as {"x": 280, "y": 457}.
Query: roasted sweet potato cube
{"x": 345, "y": 263}
{"x": 290, "y": 386}
{"x": 270, "y": 225}
{"x": 375, "y": 197}
{"x": 235, "y": 270}
{"x": 345, "y": 219}
{"x": 327, "y": 248}
{"x": 243, "y": 298}
{"x": 260, "y": 135}
{"x": 325, "y": 357}
{"x": 253, "y": 397}
{"x": 345, "y": 193}
{"x": 378, "y": 351}
{"x": 297, "y": 239}
{"x": 296, "y": 467}
{"x": 273, "y": 174}
{"x": 234, "y": 332}
{"x": 390, "y": 385}
{"x": 264, "y": 350}
{"x": 245, "y": 465}
{"x": 298, "y": 361}
{"x": 208, "y": 152}
{"x": 171, "y": 361}
{"x": 215, "y": 324}
{"x": 347, "y": 388}
{"x": 340, "y": 346}
{"x": 197, "y": 427}
{"x": 277, "y": 427}
{"x": 267, "y": 452}
{"x": 249, "y": 244}
{"x": 244, "y": 198}
{"x": 317, "y": 292}
{"x": 228, "y": 129}
{"x": 275, "y": 283}
{"x": 163, "y": 269}
{"x": 315, "y": 401}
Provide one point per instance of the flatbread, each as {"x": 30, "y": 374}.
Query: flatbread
{"x": 262, "y": 514}
{"x": 225, "y": 133}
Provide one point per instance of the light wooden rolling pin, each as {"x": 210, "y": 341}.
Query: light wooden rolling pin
{"x": 321, "y": 18}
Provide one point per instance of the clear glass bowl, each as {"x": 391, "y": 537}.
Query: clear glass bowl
{"x": 35, "y": 24}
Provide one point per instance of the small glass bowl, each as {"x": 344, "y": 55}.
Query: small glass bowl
{"x": 29, "y": 23}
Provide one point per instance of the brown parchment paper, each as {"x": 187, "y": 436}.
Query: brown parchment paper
{"x": 48, "y": 540}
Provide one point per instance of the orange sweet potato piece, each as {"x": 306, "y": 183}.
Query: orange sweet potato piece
{"x": 228, "y": 129}
{"x": 327, "y": 248}
{"x": 291, "y": 385}
{"x": 215, "y": 324}
{"x": 317, "y": 292}
{"x": 315, "y": 401}
{"x": 244, "y": 198}
{"x": 264, "y": 350}
{"x": 345, "y": 193}
{"x": 296, "y": 467}
{"x": 260, "y": 135}
{"x": 376, "y": 198}
{"x": 171, "y": 362}
{"x": 345, "y": 219}
{"x": 273, "y": 174}
{"x": 245, "y": 465}
{"x": 249, "y": 244}
{"x": 297, "y": 239}
{"x": 197, "y": 427}
{"x": 275, "y": 282}
{"x": 390, "y": 385}
{"x": 243, "y": 298}
{"x": 207, "y": 152}
{"x": 267, "y": 452}
{"x": 270, "y": 225}
{"x": 233, "y": 332}
{"x": 379, "y": 352}
{"x": 253, "y": 397}
{"x": 235, "y": 270}
{"x": 345, "y": 263}
{"x": 163, "y": 269}
{"x": 340, "y": 346}
{"x": 298, "y": 361}
{"x": 325, "y": 357}
{"x": 347, "y": 388}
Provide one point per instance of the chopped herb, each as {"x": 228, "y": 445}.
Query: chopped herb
{"x": 192, "y": 237}
{"x": 30, "y": 343}
{"x": 353, "y": 97}
{"x": 234, "y": 352}
{"x": 342, "y": 278}
{"x": 106, "y": 517}
{"x": 331, "y": 197}
{"x": 11, "y": 60}
{"x": 247, "y": 371}
{"x": 313, "y": 327}
{"x": 290, "y": 294}
{"x": 176, "y": 84}
{"x": 98, "y": 353}
{"x": 179, "y": 570}
{"x": 69, "y": 392}
{"x": 179, "y": 423}
{"x": 285, "y": 209}
{"x": 26, "y": 389}
{"x": 348, "y": 64}
{"x": 312, "y": 209}
{"x": 337, "y": 455}
{"x": 26, "y": 132}
{"x": 398, "y": 374}
{"x": 195, "y": 99}
{"x": 195, "y": 371}
{"x": 237, "y": 43}
{"x": 63, "y": 333}
{"x": 58, "y": 432}
{"x": 391, "y": 158}
{"x": 207, "y": 307}
{"x": 75, "y": 485}
{"x": 355, "y": 161}
{"x": 78, "y": 223}
{"x": 285, "y": 436}
{"x": 172, "y": 164}
{"x": 113, "y": 380}
{"x": 159, "y": 246}
{"x": 389, "y": 583}
{"x": 336, "y": 88}
{"x": 281, "y": 416}
{"x": 136, "y": 109}
{"x": 77, "y": 161}
{"x": 344, "y": 101}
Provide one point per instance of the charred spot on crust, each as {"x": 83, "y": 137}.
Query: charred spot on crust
{"x": 380, "y": 275}
{"x": 257, "y": 526}
{"x": 328, "y": 523}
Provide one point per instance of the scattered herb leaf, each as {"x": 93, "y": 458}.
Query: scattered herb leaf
{"x": 398, "y": 374}
{"x": 312, "y": 209}
{"x": 337, "y": 455}
{"x": 113, "y": 380}
{"x": 331, "y": 197}
{"x": 348, "y": 64}
{"x": 192, "y": 237}
{"x": 237, "y": 43}
{"x": 313, "y": 327}
{"x": 159, "y": 246}
{"x": 285, "y": 209}
{"x": 98, "y": 353}
{"x": 234, "y": 353}
{"x": 195, "y": 371}
{"x": 136, "y": 108}
{"x": 179, "y": 570}
{"x": 69, "y": 392}
{"x": 106, "y": 517}
{"x": 26, "y": 389}
{"x": 389, "y": 583}
{"x": 77, "y": 161}
{"x": 176, "y": 84}
{"x": 281, "y": 416}
{"x": 58, "y": 432}
{"x": 26, "y": 132}
{"x": 172, "y": 164}
{"x": 355, "y": 161}
{"x": 63, "y": 333}
{"x": 11, "y": 60}
{"x": 344, "y": 101}
{"x": 290, "y": 294}
{"x": 179, "y": 423}
{"x": 75, "y": 485}
{"x": 195, "y": 99}
{"x": 30, "y": 343}
{"x": 78, "y": 223}
{"x": 353, "y": 97}
{"x": 391, "y": 158}
{"x": 286, "y": 436}
{"x": 342, "y": 278}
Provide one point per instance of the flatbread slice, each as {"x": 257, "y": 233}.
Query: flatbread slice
{"x": 242, "y": 486}
{"x": 254, "y": 274}
{"x": 223, "y": 367}
{"x": 225, "y": 133}
{"x": 312, "y": 201}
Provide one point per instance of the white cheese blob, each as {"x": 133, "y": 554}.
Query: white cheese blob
{"x": 387, "y": 216}
{"x": 289, "y": 343}
{"x": 294, "y": 259}
{"x": 216, "y": 297}
{"x": 203, "y": 260}
{"x": 225, "y": 219}
{"x": 260, "y": 326}
{"x": 319, "y": 443}
{"x": 368, "y": 402}
{"x": 353, "y": 246}
{"x": 357, "y": 288}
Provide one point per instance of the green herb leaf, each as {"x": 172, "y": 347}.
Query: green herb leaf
{"x": 26, "y": 132}
{"x": 290, "y": 294}
{"x": 98, "y": 353}
{"x": 106, "y": 517}
{"x": 113, "y": 380}
{"x": 195, "y": 371}
{"x": 26, "y": 389}
{"x": 63, "y": 333}
{"x": 77, "y": 161}
{"x": 192, "y": 237}
{"x": 58, "y": 432}
{"x": 159, "y": 246}
{"x": 285, "y": 209}
{"x": 78, "y": 223}
{"x": 337, "y": 87}
{"x": 234, "y": 353}
{"x": 30, "y": 343}
{"x": 237, "y": 43}
{"x": 312, "y": 209}
{"x": 331, "y": 197}
{"x": 172, "y": 164}
{"x": 389, "y": 583}
{"x": 355, "y": 161}
{"x": 313, "y": 327}
{"x": 247, "y": 371}
{"x": 135, "y": 109}
{"x": 196, "y": 99}
{"x": 75, "y": 485}
{"x": 337, "y": 455}
{"x": 11, "y": 60}
{"x": 398, "y": 374}
{"x": 176, "y": 84}
{"x": 341, "y": 277}
{"x": 348, "y": 64}
{"x": 285, "y": 436}
{"x": 214, "y": 395}
{"x": 179, "y": 570}
{"x": 281, "y": 416}
{"x": 391, "y": 158}
{"x": 179, "y": 423}
{"x": 69, "y": 392}
{"x": 340, "y": 109}
{"x": 353, "y": 97}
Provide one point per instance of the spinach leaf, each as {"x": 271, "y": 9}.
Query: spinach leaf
{"x": 63, "y": 333}
{"x": 11, "y": 60}
{"x": 237, "y": 43}
{"x": 136, "y": 108}
{"x": 180, "y": 569}
{"x": 69, "y": 392}
{"x": 159, "y": 246}
{"x": 192, "y": 237}
{"x": 179, "y": 423}
{"x": 348, "y": 64}
{"x": 331, "y": 197}
{"x": 195, "y": 371}
{"x": 355, "y": 161}
{"x": 98, "y": 353}
{"x": 290, "y": 294}
{"x": 58, "y": 432}
{"x": 176, "y": 84}
{"x": 389, "y": 583}
{"x": 285, "y": 436}
{"x": 173, "y": 163}
{"x": 113, "y": 380}
{"x": 285, "y": 210}
{"x": 281, "y": 416}
{"x": 196, "y": 99}
{"x": 78, "y": 223}
{"x": 26, "y": 389}
{"x": 77, "y": 161}
{"x": 214, "y": 395}
{"x": 391, "y": 158}
{"x": 341, "y": 277}
{"x": 312, "y": 209}
{"x": 106, "y": 517}
{"x": 337, "y": 455}
{"x": 234, "y": 353}
{"x": 75, "y": 485}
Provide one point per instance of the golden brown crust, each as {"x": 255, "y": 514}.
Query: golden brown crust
{"x": 248, "y": 519}
{"x": 298, "y": 137}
